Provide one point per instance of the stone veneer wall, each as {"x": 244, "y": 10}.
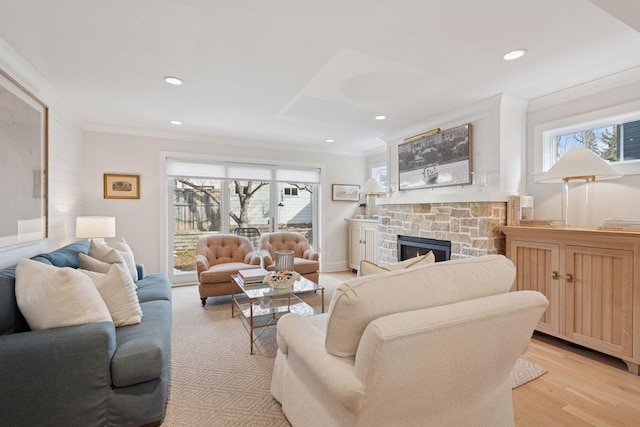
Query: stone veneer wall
{"x": 470, "y": 226}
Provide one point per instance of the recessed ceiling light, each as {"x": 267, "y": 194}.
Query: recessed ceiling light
{"x": 176, "y": 122}
{"x": 329, "y": 140}
{"x": 514, "y": 54}
{"x": 173, "y": 80}
{"x": 380, "y": 117}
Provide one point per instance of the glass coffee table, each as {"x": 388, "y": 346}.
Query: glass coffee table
{"x": 261, "y": 306}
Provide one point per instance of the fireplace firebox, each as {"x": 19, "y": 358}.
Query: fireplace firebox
{"x": 410, "y": 246}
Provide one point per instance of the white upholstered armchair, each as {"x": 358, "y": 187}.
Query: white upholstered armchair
{"x": 429, "y": 346}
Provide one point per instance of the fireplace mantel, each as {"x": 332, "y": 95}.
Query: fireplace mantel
{"x": 422, "y": 196}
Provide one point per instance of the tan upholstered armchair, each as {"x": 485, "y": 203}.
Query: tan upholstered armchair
{"x": 306, "y": 260}
{"x": 218, "y": 257}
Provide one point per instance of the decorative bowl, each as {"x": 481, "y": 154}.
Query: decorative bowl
{"x": 281, "y": 279}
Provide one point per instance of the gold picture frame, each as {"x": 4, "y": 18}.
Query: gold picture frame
{"x": 345, "y": 192}
{"x": 119, "y": 186}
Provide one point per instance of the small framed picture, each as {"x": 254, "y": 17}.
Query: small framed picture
{"x": 345, "y": 193}
{"x": 118, "y": 186}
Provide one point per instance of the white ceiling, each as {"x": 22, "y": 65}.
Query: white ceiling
{"x": 303, "y": 71}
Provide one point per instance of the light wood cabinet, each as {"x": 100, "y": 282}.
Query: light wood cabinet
{"x": 363, "y": 241}
{"x": 592, "y": 280}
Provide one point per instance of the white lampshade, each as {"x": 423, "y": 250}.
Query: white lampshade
{"x": 580, "y": 163}
{"x": 93, "y": 227}
{"x": 578, "y": 170}
{"x": 372, "y": 187}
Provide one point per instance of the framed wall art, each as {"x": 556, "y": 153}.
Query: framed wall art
{"x": 345, "y": 192}
{"x": 23, "y": 165}
{"x": 118, "y": 186}
{"x": 436, "y": 159}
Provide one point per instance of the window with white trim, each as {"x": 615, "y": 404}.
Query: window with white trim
{"x": 379, "y": 173}
{"x": 615, "y": 139}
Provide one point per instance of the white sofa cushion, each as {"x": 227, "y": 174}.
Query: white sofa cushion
{"x": 53, "y": 297}
{"x": 361, "y": 300}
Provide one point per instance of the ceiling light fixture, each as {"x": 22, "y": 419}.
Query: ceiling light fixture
{"x": 329, "y": 140}
{"x": 176, "y": 81}
{"x": 176, "y": 122}
{"x": 380, "y": 117}
{"x": 514, "y": 54}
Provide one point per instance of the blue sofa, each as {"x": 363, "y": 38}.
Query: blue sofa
{"x": 86, "y": 375}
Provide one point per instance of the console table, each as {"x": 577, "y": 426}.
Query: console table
{"x": 592, "y": 280}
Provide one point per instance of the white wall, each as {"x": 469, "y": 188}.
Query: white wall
{"x": 65, "y": 161}
{"x": 614, "y": 198}
{"x": 497, "y": 139}
{"x": 141, "y": 221}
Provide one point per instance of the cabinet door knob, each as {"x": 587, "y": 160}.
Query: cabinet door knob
{"x": 554, "y": 275}
{"x": 569, "y": 277}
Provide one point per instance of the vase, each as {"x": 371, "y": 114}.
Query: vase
{"x": 284, "y": 260}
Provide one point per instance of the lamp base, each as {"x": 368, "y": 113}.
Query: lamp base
{"x": 576, "y": 199}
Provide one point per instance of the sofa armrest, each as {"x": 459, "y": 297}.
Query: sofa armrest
{"x": 140, "y": 269}
{"x": 310, "y": 254}
{"x": 42, "y": 371}
{"x": 202, "y": 264}
{"x": 266, "y": 256}
{"x": 298, "y": 337}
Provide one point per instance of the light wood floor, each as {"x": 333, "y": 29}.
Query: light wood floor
{"x": 581, "y": 387}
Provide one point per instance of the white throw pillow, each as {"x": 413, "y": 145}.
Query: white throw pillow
{"x": 428, "y": 258}
{"x": 119, "y": 293}
{"x": 368, "y": 268}
{"x": 87, "y": 262}
{"x": 103, "y": 252}
{"x": 53, "y": 297}
{"x": 126, "y": 252}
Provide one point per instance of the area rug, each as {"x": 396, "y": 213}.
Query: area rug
{"x": 214, "y": 379}
{"x": 524, "y": 372}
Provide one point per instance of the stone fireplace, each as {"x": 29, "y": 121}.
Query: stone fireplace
{"x": 470, "y": 226}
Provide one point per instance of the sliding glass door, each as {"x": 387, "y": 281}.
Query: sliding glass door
{"x": 247, "y": 200}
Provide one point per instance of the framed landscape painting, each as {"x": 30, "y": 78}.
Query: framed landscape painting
{"x": 436, "y": 159}
{"x": 23, "y": 165}
{"x": 118, "y": 186}
{"x": 345, "y": 192}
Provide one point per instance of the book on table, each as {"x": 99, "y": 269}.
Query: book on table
{"x": 252, "y": 275}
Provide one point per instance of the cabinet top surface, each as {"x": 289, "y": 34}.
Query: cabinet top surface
{"x": 362, "y": 220}
{"x": 570, "y": 231}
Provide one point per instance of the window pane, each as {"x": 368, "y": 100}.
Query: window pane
{"x": 603, "y": 141}
{"x": 631, "y": 140}
{"x": 249, "y": 206}
{"x": 380, "y": 174}
{"x": 296, "y": 213}
{"x": 196, "y": 213}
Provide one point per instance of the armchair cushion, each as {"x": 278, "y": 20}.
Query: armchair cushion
{"x": 359, "y": 301}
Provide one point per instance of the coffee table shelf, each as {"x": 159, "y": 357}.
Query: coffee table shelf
{"x": 261, "y": 306}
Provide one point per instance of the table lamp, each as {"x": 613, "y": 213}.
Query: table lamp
{"x": 371, "y": 189}
{"x": 578, "y": 169}
{"x": 95, "y": 227}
